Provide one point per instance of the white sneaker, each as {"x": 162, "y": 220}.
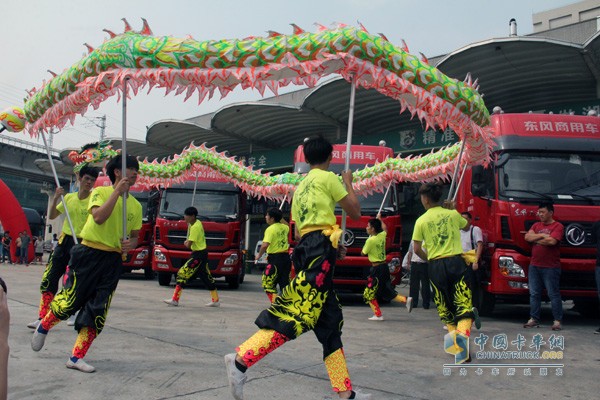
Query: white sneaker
{"x": 37, "y": 340}
{"x": 80, "y": 365}
{"x": 213, "y": 304}
{"x": 235, "y": 377}
{"x": 71, "y": 320}
{"x": 171, "y": 302}
{"x": 409, "y": 304}
{"x": 34, "y": 324}
{"x": 445, "y": 327}
{"x": 361, "y": 396}
{"x": 376, "y": 318}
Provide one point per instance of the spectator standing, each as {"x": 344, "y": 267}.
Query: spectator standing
{"x": 471, "y": 238}
{"x": 54, "y": 242}
{"x": 39, "y": 249}
{"x": 25, "y": 240}
{"x": 5, "y": 249}
{"x": 544, "y": 268}
{"x": 419, "y": 277}
{"x": 18, "y": 242}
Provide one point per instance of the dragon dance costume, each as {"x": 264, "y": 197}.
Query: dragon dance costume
{"x": 309, "y": 301}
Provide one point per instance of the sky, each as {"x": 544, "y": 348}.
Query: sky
{"x": 41, "y": 35}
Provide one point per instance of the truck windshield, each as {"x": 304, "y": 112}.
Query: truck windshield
{"x": 142, "y": 197}
{"x": 559, "y": 177}
{"x": 371, "y": 203}
{"x": 211, "y": 205}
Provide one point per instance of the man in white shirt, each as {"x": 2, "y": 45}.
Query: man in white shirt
{"x": 471, "y": 238}
{"x": 419, "y": 277}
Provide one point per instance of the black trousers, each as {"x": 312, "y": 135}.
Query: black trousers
{"x": 419, "y": 281}
{"x": 59, "y": 259}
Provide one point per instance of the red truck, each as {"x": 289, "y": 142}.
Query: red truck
{"x": 221, "y": 208}
{"x": 537, "y": 158}
{"x": 138, "y": 258}
{"x": 352, "y": 272}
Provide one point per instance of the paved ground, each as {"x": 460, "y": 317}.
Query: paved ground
{"x": 150, "y": 351}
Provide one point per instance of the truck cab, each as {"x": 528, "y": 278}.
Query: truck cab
{"x": 537, "y": 158}
{"x": 221, "y": 209}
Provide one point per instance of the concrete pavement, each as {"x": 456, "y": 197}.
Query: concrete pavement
{"x": 151, "y": 351}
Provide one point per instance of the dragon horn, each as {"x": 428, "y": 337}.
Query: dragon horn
{"x": 111, "y": 33}
{"x": 127, "y": 26}
{"x": 90, "y": 48}
{"x": 146, "y": 28}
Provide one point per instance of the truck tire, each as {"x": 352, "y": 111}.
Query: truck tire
{"x": 164, "y": 278}
{"x": 487, "y": 303}
{"x": 149, "y": 274}
{"x": 233, "y": 281}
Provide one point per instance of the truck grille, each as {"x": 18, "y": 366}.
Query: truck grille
{"x": 577, "y": 280}
{"x": 213, "y": 239}
{"x": 179, "y": 262}
{"x": 587, "y": 228}
{"x": 360, "y": 237}
{"x": 343, "y": 272}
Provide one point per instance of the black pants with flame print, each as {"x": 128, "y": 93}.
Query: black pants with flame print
{"x": 451, "y": 292}
{"x": 309, "y": 302}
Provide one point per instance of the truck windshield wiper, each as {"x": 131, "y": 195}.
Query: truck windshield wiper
{"x": 586, "y": 198}
{"x": 542, "y": 195}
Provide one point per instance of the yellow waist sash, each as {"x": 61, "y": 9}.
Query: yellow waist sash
{"x": 333, "y": 232}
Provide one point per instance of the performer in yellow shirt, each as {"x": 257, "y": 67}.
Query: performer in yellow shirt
{"x": 197, "y": 263}
{"x": 309, "y": 301}
{"x": 439, "y": 229}
{"x": 96, "y": 263}
{"x": 275, "y": 243}
{"x": 77, "y": 205}
{"x": 379, "y": 283}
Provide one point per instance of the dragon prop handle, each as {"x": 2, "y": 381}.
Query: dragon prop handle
{"x": 189, "y": 66}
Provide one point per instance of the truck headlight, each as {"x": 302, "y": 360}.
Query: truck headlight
{"x": 231, "y": 260}
{"x": 142, "y": 254}
{"x": 508, "y": 267}
{"x": 159, "y": 256}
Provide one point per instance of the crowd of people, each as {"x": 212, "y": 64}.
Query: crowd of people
{"x": 445, "y": 259}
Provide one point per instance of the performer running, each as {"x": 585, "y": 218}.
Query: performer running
{"x": 439, "y": 229}
{"x": 96, "y": 262}
{"x": 379, "y": 284}
{"x": 308, "y": 302}
{"x": 275, "y": 243}
{"x": 197, "y": 263}
{"x": 77, "y": 205}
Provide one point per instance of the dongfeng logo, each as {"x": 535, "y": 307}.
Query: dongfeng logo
{"x": 575, "y": 234}
{"x": 348, "y": 237}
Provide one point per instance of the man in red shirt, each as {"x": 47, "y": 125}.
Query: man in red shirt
{"x": 544, "y": 269}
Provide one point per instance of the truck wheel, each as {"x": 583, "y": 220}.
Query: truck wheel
{"x": 233, "y": 281}
{"x": 487, "y": 303}
{"x": 149, "y": 274}
{"x": 164, "y": 278}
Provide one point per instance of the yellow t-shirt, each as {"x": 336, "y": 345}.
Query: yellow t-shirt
{"x": 315, "y": 198}
{"x": 196, "y": 236}
{"x": 110, "y": 232}
{"x": 78, "y": 211}
{"x": 439, "y": 229}
{"x": 374, "y": 247}
{"x": 277, "y": 237}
